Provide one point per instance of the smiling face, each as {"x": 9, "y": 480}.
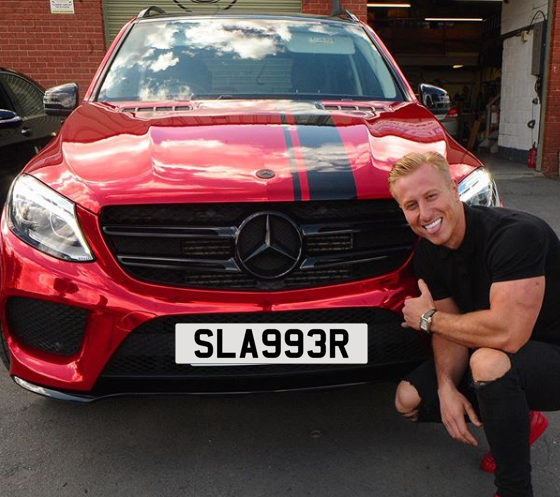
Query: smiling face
{"x": 431, "y": 205}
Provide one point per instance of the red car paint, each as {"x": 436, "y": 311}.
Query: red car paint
{"x": 108, "y": 155}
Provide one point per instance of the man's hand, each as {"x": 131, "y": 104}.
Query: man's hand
{"x": 415, "y": 307}
{"x": 454, "y": 405}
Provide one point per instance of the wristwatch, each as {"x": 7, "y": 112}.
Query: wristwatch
{"x": 426, "y": 321}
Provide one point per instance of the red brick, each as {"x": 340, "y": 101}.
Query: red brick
{"x": 322, "y": 7}
{"x": 551, "y": 141}
{"x": 53, "y": 49}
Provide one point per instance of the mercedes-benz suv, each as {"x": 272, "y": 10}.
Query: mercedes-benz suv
{"x": 215, "y": 216}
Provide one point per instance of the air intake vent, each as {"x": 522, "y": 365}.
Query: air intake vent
{"x": 47, "y": 326}
{"x": 350, "y": 108}
{"x": 149, "y": 351}
{"x": 168, "y": 108}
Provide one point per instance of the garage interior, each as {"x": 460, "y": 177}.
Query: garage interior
{"x": 453, "y": 44}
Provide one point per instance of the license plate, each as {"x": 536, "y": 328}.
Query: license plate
{"x": 277, "y": 343}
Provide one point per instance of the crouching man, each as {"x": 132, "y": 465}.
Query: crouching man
{"x": 489, "y": 280}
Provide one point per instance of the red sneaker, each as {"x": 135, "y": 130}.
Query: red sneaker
{"x": 538, "y": 426}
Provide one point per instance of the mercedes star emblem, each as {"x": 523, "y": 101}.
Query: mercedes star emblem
{"x": 269, "y": 245}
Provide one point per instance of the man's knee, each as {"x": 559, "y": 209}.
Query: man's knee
{"x": 407, "y": 400}
{"x": 489, "y": 364}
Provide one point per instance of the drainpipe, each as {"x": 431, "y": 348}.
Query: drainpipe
{"x": 335, "y": 5}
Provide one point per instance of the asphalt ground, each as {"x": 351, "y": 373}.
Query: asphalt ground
{"x": 341, "y": 443}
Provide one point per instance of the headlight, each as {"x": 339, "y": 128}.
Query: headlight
{"x": 46, "y": 220}
{"x": 478, "y": 188}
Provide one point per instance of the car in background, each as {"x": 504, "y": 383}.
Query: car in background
{"x": 215, "y": 214}
{"x": 437, "y": 100}
{"x": 24, "y": 126}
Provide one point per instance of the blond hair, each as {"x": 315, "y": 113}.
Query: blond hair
{"x": 411, "y": 162}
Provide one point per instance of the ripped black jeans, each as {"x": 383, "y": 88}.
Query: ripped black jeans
{"x": 532, "y": 383}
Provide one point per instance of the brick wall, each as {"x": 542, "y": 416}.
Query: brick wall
{"x": 551, "y": 138}
{"x": 323, "y": 7}
{"x": 52, "y": 48}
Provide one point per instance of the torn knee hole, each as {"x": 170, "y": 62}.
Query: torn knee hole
{"x": 484, "y": 383}
{"x": 411, "y": 415}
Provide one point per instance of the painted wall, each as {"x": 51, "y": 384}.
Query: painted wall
{"x": 518, "y": 84}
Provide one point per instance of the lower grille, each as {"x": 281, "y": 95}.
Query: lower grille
{"x": 149, "y": 351}
{"x": 47, "y": 326}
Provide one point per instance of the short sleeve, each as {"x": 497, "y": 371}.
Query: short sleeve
{"x": 427, "y": 265}
{"x": 518, "y": 250}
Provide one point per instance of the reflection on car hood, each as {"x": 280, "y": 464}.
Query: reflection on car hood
{"x": 212, "y": 151}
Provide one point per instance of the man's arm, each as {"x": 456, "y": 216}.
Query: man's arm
{"x": 451, "y": 358}
{"x": 451, "y": 361}
{"x": 507, "y": 325}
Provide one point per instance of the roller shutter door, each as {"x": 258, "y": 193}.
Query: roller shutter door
{"x": 118, "y": 12}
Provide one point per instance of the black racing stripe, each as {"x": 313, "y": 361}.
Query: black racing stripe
{"x": 291, "y": 155}
{"x": 314, "y": 120}
{"x": 329, "y": 171}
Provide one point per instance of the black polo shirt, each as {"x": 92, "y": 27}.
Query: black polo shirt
{"x": 499, "y": 245}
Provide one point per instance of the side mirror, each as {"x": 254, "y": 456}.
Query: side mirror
{"x": 61, "y": 100}
{"x": 9, "y": 119}
{"x": 434, "y": 98}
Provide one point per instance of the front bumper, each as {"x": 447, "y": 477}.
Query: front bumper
{"x": 134, "y": 388}
{"x": 117, "y": 306}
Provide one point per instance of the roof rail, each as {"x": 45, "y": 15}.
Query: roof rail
{"x": 151, "y": 11}
{"x": 346, "y": 14}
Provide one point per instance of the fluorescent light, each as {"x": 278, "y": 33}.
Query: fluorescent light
{"x": 453, "y": 19}
{"x": 458, "y": 66}
{"x": 392, "y": 5}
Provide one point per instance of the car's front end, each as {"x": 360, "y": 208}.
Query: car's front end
{"x": 250, "y": 194}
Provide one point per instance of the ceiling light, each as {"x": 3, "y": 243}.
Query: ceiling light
{"x": 453, "y": 19}
{"x": 458, "y": 66}
{"x": 389, "y": 5}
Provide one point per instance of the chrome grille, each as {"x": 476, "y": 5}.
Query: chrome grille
{"x": 329, "y": 243}
{"x": 194, "y": 245}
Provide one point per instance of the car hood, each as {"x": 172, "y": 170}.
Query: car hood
{"x": 232, "y": 151}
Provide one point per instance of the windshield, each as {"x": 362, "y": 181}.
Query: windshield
{"x": 244, "y": 58}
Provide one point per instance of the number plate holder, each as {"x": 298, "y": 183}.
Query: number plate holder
{"x": 221, "y": 344}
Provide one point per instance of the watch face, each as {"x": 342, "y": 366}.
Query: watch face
{"x": 426, "y": 320}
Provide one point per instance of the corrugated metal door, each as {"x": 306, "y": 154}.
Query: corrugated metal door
{"x": 118, "y": 12}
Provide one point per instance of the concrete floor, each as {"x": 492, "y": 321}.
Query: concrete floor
{"x": 339, "y": 443}
{"x": 526, "y": 189}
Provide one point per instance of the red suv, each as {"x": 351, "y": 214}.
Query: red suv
{"x": 214, "y": 215}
